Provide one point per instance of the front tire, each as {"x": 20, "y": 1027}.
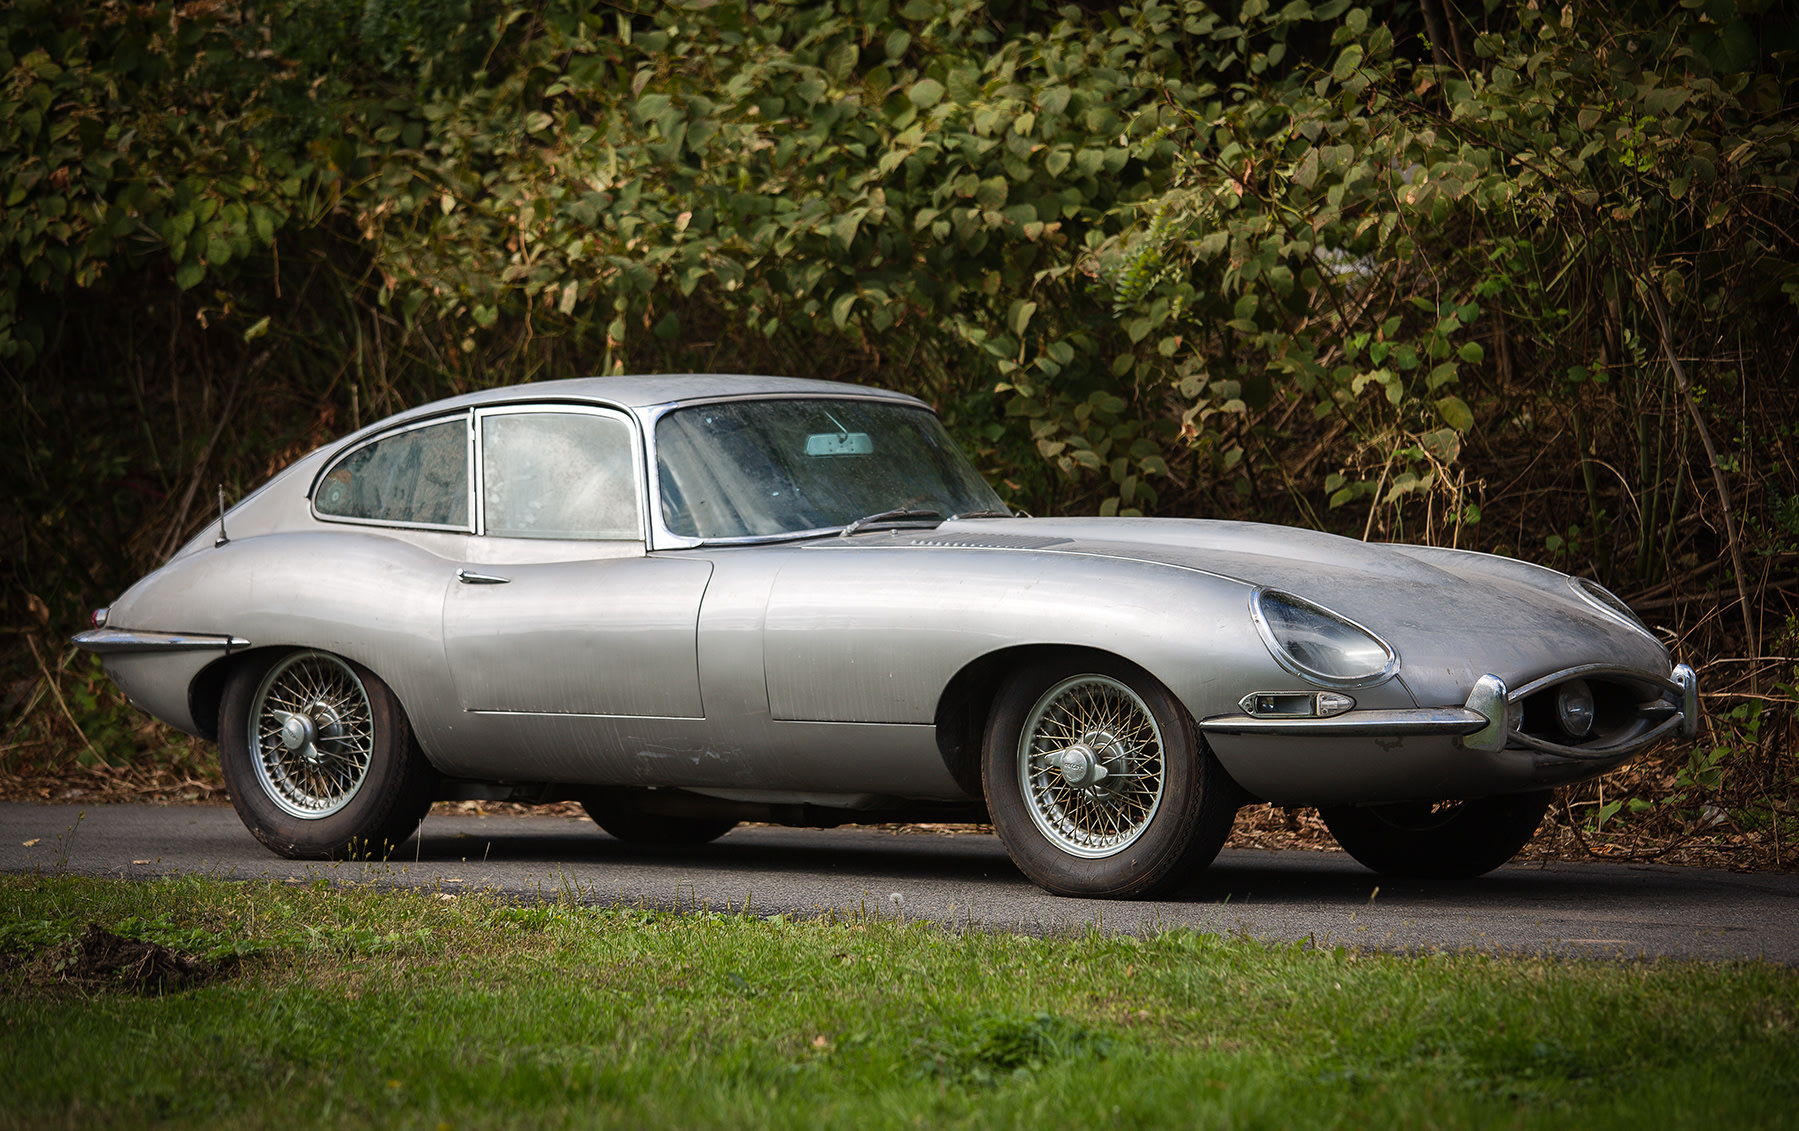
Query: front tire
{"x": 319, "y": 757}
{"x": 1098, "y": 782}
{"x": 1455, "y": 840}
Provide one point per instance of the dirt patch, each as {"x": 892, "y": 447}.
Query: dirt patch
{"x": 100, "y": 958}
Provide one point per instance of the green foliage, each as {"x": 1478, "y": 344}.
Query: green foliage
{"x": 1289, "y": 262}
{"x": 994, "y": 1047}
{"x": 1342, "y": 238}
{"x": 110, "y": 156}
{"x": 1118, "y": 250}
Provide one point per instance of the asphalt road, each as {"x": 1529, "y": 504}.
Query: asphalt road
{"x": 1595, "y": 909}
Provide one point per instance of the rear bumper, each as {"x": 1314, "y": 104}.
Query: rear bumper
{"x": 157, "y": 670}
{"x": 111, "y": 641}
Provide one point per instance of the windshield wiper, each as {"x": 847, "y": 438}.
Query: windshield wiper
{"x": 981, "y": 514}
{"x": 900, "y": 514}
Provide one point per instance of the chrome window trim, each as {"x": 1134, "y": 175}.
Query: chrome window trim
{"x": 661, "y": 538}
{"x": 312, "y": 492}
{"x": 559, "y": 408}
{"x": 1293, "y": 666}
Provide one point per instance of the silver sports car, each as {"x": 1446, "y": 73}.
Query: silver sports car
{"x": 689, "y": 601}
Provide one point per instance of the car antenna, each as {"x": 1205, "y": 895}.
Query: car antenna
{"x": 223, "y": 537}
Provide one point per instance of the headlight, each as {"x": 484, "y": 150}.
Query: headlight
{"x": 1314, "y": 642}
{"x": 1574, "y": 708}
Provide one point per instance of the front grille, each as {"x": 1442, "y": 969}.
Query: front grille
{"x": 1622, "y": 710}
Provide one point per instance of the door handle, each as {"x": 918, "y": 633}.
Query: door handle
{"x": 470, "y": 577}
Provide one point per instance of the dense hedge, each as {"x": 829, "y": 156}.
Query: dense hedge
{"x": 1524, "y": 282}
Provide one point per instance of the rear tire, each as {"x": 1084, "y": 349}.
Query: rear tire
{"x": 619, "y": 815}
{"x": 1455, "y": 840}
{"x": 319, "y": 757}
{"x": 1160, "y": 809}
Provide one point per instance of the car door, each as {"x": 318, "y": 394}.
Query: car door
{"x": 558, "y": 609}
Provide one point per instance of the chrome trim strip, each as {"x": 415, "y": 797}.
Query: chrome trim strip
{"x": 582, "y": 715}
{"x": 1488, "y": 722}
{"x": 478, "y": 472}
{"x": 1420, "y": 720}
{"x": 1597, "y": 753}
{"x": 349, "y": 450}
{"x": 759, "y": 539}
{"x": 659, "y": 535}
{"x": 1581, "y": 671}
{"x": 105, "y": 641}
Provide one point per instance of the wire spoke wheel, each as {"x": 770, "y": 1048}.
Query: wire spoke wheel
{"x": 311, "y": 734}
{"x": 1091, "y": 766}
{"x": 320, "y": 757}
{"x": 1098, "y": 781}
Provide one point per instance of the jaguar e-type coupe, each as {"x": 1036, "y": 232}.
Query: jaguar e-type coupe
{"x": 690, "y": 601}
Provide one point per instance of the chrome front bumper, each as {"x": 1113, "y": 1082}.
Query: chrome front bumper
{"x": 1489, "y": 720}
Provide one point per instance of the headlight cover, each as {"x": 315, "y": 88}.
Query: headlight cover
{"x": 1311, "y": 641}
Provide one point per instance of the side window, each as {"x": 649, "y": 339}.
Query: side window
{"x": 558, "y": 475}
{"x": 418, "y": 477}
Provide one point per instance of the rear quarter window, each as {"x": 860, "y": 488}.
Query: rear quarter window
{"x": 415, "y": 477}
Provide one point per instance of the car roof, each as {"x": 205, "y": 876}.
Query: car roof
{"x": 635, "y": 394}
{"x": 654, "y": 390}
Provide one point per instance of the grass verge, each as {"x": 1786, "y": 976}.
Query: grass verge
{"x": 315, "y": 1006}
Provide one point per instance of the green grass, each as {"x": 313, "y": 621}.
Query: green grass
{"x": 358, "y": 1007}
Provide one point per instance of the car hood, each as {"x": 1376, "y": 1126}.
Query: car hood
{"x": 1452, "y": 615}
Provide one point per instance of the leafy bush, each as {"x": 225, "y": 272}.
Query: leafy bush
{"x": 1507, "y": 282}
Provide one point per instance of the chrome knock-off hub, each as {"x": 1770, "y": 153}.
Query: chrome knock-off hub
{"x": 1080, "y": 766}
{"x": 313, "y": 734}
{"x": 298, "y": 732}
{"x": 1085, "y": 763}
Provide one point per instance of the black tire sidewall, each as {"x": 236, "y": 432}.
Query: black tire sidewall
{"x": 385, "y": 811}
{"x": 1477, "y": 837}
{"x": 1189, "y": 825}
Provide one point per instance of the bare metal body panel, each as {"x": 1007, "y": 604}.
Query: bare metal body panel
{"x": 818, "y": 667}
{"x": 601, "y": 636}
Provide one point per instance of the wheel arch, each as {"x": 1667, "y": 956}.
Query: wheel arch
{"x": 206, "y": 692}
{"x": 967, "y": 702}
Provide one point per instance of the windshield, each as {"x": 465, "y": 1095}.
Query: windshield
{"x": 745, "y": 469}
